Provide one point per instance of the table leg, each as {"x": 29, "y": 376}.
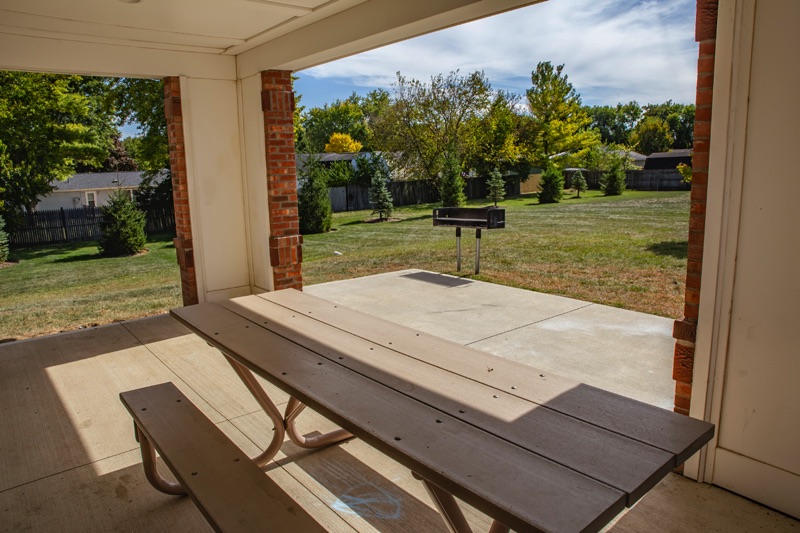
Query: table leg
{"x": 283, "y": 424}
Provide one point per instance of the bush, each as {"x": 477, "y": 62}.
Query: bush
{"x": 339, "y": 174}
{"x": 313, "y": 202}
{"x": 3, "y": 241}
{"x": 552, "y": 186}
{"x": 496, "y": 185}
{"x": 579, "y": 183}
{"x": 451, "y": 184}
{"x": 613, "y": 181}
{"x": 122, "y": 225}
{"x": 379, "y": 195}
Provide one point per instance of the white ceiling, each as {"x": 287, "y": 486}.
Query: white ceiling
{"x": 207, "y": 26}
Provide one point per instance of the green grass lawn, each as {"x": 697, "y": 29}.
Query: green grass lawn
{"x": 627, "y": 251}
{"x": 63, "y": 287}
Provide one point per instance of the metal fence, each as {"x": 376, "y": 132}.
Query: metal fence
{"x": 71, "y": 225}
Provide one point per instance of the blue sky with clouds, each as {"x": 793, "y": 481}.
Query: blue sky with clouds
{"x": 613, "y": 51}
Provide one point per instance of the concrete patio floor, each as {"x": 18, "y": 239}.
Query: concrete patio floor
{"x": 69, "y": 462}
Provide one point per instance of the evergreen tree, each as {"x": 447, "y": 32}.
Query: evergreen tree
{"x": 552, "y": 186}
{"x": 579, "y": 183}
{"x": 3, "y": 241}
{"x": 451, "y": 183}
{"x": 379, "y": 195}
{"x": 613, "y": 181}
{"x": 496, "y": 185}
{"x": 313, "y": 202}
{"x": 122, "y": 225}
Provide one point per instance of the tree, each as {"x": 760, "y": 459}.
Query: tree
{"x": 342, "y": 143}
{"x": 451, "y": 182}
{"x": 48, "y": 124}
{"x": 652, "y": 134}
{"x": 3, "y": 241}
{"x": 615, "y": 124}
{"x": 313, "y": 202}
{"x": 496, "y": 185}
{"x": 340, "y": 117}
{"x": 551, "y": 188}
{"x": 366, "y": 166}
{"x": 427, "y": 120}
{"x": 122, "y": 226}
{"x": 613, "y": 181}
{"x": 497, "y": 139}
{"x": 339, "y": 174}
{"x": 558, "y": 123}
{"x": 678, "y": 117}
{"x": 579, "y": 183}
{"x": 141, "y": 102}
{"x": 379, "y": 195}
{"x": 118, "y": 160}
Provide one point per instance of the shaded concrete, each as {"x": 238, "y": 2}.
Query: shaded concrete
{"x": 622, "y": 351}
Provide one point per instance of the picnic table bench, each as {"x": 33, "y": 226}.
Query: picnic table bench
{"x": 534, "y": 451}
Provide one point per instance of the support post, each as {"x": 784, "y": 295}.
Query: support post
{"x": 478, "y": 250}
{"x": 458, "y": 249}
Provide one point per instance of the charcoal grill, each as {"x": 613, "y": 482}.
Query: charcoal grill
{"x": 470, "y": 217}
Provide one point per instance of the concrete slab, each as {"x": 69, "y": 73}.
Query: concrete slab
{"x": 622, "y": 351}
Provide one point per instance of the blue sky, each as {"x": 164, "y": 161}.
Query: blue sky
{"x": 613, "y": 51}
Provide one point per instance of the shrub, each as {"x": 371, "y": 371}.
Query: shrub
{"x": 339, "y": 174}
{"x": 686, "y": 172}
{"x": 313, "y": 202}
{"x": 613, "y": 181}
{"x": 3, "y": 241}
{"x": 451, "y": 184}
{"x": 379, "y": 195}
{"x": 552, "y": 186}
{"x": 122, "y": 225}
{"x": 579, "y": 183}
{"x": 496, "y": 185}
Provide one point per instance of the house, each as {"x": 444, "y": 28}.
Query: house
{"x": 89, "y": 189}
{"x": 228, "y": 101}
{"x": 668, "y": 160}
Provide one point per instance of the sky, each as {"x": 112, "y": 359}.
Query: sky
{"x": 613, "y": 51}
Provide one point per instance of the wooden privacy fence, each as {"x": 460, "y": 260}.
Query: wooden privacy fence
{"x": 79, "y": 224}
{"x": 637, "y": 180}
{"x": 356, "y": 197}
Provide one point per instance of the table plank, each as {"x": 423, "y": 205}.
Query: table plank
{"x": 680, "y": 435}
{"x": 626, "y": 464}
{"x": 524, "y": 490}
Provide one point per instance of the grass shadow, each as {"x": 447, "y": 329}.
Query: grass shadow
{"x": 420, "y": 217}
{"x": 677, "y": 249}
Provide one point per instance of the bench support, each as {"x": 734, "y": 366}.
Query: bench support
{"x": 284, "y": 424}
{"x": 150, "y": 470}
{"x": 451, "y": 512}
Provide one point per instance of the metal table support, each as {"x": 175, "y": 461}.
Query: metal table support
{"x": 477, "y": 250}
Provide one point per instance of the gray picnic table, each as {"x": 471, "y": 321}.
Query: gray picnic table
{"x": 534, "y": 451}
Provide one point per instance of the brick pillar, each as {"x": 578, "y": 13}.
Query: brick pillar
{"x": 180, "y": 191}
{"x": 685, "y": 330}
{"x": 285, "y": 241}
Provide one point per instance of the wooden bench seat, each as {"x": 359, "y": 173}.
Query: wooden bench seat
{"x": 229, "y": 489}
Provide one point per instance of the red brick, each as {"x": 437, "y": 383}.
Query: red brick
{"x": 706, "y": 20}
{"x": 683, "y": 389}
{"x": 704, "y": 97}
{"x": 707, "y": 48}
{"x": 684, "y": 330}
{"x": 702, "y": 113}
{"x": 683, "y": 364}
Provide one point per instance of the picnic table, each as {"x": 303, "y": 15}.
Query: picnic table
{"x": 534, "y": 451}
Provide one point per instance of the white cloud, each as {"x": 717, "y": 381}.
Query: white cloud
{"x": 613, "y": 50}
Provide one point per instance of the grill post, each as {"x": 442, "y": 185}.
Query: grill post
{"x": 458, "y": 249}
{"x": 478, "y": 250}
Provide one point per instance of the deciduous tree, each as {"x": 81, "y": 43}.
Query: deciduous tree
{"x": 615, "y": 123}
{"x": 342, "y": 143}
{"x": 652, "y": 134}
{"x": 342, "y": 116}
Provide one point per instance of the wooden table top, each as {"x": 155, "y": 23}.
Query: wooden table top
{"x": 534, "y": 450}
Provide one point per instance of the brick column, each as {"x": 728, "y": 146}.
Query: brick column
{"x": 685, "y": 330}
{"x": 180, "y": 191}
{"x": 285, "y": 241}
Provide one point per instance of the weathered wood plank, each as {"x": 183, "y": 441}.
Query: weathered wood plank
{"x": 525, "y": 491}
{"x": 229, "y": 489}
{"x": 592, "y": 450}
{"x": 679, "y": 435}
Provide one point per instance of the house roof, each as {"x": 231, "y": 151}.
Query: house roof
{"x": 88, "y": 181}
{"x": 668, "y": 160}
{"x": 683, "y": 152}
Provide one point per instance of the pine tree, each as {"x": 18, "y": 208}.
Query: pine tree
{"x": 3, "y": 241}
{"x": 613, "y": 181}
{"x": 496, "y": 185}
{"x": 579, "y": 183}
{"x": 313, "y": 202}
{"x": 451, "y": 184}
{"x": 552, "y": 186}
{"x": 122, "y": 225}
{"x": 379, "y": 195}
